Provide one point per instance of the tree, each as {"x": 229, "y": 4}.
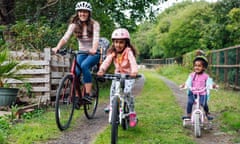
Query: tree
{"x": 7, "y": 12}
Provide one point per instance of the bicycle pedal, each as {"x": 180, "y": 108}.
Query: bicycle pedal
{"x": 87, "y": 102}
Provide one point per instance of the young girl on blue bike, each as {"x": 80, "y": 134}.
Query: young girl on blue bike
{"x": 123, "y": 55}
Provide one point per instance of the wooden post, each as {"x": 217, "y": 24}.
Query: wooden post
{"x": 47, "y": 58}
{"x": 217, "y": 62}
{"x": 237, "y": 77}
{"x": 225, "y": 68}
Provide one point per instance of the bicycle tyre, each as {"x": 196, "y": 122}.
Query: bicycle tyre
{"x": 197, "y": 127}
{"x": 64, "y": 108}
{"x": 125, "y": 120}
{"x": 114, "y": 120}
{"x": 90, "y": 108}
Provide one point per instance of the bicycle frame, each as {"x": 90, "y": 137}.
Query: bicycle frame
{"x": 119, "y": 94}
{"x": 198, "y": 108}
{"x": 122, "y": 98}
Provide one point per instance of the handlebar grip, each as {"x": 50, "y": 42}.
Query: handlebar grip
{"x": 118, "y": 76}
{"x": 62, "y": 51}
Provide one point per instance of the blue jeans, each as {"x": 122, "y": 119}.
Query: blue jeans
{"x": 191, "y": 98}
{"x": 86, "y": 62}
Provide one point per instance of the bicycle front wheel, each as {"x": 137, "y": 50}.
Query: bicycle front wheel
{"x": 90, "y": 108}
{"x": 65, "y": 102}
{"x": 197, "y": 127}
{"x": 115, "y": 120}
{"x": 125, "y": 120}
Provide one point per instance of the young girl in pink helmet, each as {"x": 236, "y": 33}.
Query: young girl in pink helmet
{"x": 123, "y": 55}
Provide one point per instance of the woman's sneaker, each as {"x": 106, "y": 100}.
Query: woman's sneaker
{"x": 133, "y": 119}
{"x": 87, "y": 98}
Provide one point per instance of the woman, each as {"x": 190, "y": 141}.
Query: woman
{"x": 86, "y": 31}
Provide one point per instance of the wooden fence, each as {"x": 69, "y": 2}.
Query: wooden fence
{"x": 158, "y": 62}
{"x": 225, "y": 66}
{"x": 43, "y": 73}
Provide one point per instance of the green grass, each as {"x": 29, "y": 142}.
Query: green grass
{"x": 159, "y": 117}
{"x": 176, "y": 73}
{"x": 40, "y": 127}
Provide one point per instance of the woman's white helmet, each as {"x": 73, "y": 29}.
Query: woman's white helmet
{"x": 83, "y": 6}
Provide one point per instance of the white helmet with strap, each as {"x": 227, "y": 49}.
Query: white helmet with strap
{"x": 83, "y": 6}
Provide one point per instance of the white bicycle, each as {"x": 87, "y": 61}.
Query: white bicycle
{"x": 198, "y": 118}
{"x": 120, "y": 105}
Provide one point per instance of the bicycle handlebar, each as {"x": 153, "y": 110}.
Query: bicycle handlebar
{"x": 197, "y": 90}
{"x": 71, "y": 51}
{"x": 119, "y": 76}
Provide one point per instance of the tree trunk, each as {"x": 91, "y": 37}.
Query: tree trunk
{"x": 7, "y": 12}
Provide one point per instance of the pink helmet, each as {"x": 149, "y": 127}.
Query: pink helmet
{"x": 120, "y": 33}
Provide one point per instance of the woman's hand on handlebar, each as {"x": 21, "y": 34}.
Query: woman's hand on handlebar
{"x": 55, "y": 50}
{"x": 92, "y": 51}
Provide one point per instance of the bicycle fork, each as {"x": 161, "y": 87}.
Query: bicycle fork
{"x": 197, "y": 110}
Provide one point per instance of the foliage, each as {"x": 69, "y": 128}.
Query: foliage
{"x": 233, "y": 25}
{"x": 31, "y": 36}
{"x": 221, "y": 37}
{"x": 188, "y": 26}
{"x": 9, "y": 68}
{"x": 4, "y": 129}
{"x": 2, "y": 28}
{"x": 40, "y": 24}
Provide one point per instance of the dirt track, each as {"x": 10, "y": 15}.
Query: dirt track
{"x": 86, "y": 130}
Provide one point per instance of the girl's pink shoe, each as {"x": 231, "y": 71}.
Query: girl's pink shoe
{"x": 133, "y": 119}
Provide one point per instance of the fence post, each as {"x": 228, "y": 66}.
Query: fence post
{"x": 237, "y": 71}
{"x": 226, "y": 69}
{"x": 47, "y": 58}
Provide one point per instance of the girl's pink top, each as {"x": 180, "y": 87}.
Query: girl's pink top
{"x": 199, "y": 81}
{"x": 125, "y": 64}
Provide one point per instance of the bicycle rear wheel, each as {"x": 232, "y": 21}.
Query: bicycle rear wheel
{"x": 65, "y": 102}
{"x": 115, "y": 120}
{"x": 90, "y": 108}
